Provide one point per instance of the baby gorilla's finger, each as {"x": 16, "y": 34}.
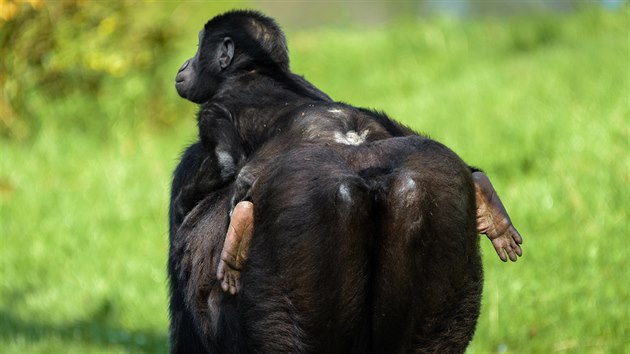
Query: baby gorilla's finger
{"x": 225, "y": 285}
{"x": 512, "y": 254}
{"x": 518, "y": 249}
{"x": 515, "y": 235}
{"x": 232, "y": 285}
{"x": 501, "y": 253}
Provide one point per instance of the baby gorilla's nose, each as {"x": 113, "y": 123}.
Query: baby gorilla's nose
{"x": 184, "y": 66}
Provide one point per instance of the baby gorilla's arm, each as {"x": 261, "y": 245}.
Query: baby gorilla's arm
{"x": 493, "y": 220}
{"x": 236, "y": 247}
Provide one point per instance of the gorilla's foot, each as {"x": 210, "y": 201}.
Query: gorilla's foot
{"x": 236, "y": 247}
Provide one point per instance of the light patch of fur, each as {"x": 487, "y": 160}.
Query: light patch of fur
{"x": 226, "y": 162}
{"x": 260, "y": 32}
{"x": 344, "y": 193}
{"x": 407, "y": 185}
{"x": 351, "y": 137}
{"x": 335, "y": 111}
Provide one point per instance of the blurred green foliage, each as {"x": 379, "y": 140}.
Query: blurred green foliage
{"x": 92, "y": 128}
{"x": 57, "y": 53}
{"x": 88, "y": 65}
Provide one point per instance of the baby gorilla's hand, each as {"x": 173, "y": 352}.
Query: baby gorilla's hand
{"x": 493, "y": 220}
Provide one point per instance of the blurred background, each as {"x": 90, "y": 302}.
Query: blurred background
{"x": 534, "y": 92}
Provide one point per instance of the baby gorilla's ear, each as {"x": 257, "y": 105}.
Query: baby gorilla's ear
{"x": 226, "y": 53}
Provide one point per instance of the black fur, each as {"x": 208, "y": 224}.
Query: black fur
{"x": 363, "y": 249}
{"x": 361, "y": 245}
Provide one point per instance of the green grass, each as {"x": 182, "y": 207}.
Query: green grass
{"x": 543, "y": 105}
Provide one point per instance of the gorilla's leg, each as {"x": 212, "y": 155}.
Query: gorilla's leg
{"x": 428, "y": 280}
{"x": 305, "y": 284}
{"x": 202, "y": 315}
{"x": 184, "y": 337}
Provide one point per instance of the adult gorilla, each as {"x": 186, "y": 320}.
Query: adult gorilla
{"x": 365, "y": 231}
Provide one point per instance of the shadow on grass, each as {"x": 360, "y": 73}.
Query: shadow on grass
{"x": 93, "y": 331}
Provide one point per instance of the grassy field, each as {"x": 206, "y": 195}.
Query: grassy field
{"x": 542, "y": 104}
